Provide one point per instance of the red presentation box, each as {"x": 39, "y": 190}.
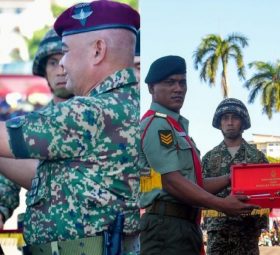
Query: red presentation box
{"x": 259, "y": 181}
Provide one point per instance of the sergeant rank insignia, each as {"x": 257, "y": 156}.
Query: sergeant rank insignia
{"x": 165, "y": 137}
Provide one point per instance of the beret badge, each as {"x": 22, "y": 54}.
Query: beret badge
{"x": 82, "y": 12}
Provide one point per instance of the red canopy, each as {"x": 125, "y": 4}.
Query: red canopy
{"x": 275, "y": 213}
{"x": 24, "y": 84}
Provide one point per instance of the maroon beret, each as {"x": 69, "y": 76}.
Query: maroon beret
{"x": 97, "y": 15}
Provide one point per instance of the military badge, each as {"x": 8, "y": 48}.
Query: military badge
{"x": 165, "y": 137}
{"x": 82, "y": 12}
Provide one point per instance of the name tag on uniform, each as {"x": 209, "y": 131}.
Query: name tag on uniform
{"x": 182, "y": 134}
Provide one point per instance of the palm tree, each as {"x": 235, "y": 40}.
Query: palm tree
{"x": 214, "y": 49}
{"x": 266, "y": 81}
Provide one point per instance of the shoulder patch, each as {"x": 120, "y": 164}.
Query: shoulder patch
{"x": 166, "y": 137}
{"x": 16, "y": 122}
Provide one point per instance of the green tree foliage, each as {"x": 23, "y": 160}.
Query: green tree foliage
{"x": 132, "y": 3}
{"x": 33, "y": 43}
{"x": 57, "y": 10}
{"x": 214, "y": 50}
{"x": 38, "y": 35}
{"x": 273, "y": 160}
{"x": 266, "y": 80}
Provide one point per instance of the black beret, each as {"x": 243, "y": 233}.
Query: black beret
{"x": 164, "y": 67}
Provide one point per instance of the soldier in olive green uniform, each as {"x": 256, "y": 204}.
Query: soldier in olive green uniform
{"x": 171, "y": 175}
{"x": 232, "y": 235}
{"x": 89, "y": 144}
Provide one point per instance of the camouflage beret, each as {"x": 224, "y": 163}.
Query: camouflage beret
{"x": 164, "y": 67}
{"x": 231, "y": 105}
{"x": 97, "y": 15}
{"x": 51, "y": 44}
{"x": 137, "y": 47}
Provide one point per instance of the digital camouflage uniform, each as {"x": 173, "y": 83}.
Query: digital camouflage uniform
{"x": 162, "y": 234}
{"x": 9, "y": 191}
{"x": 9, "y": 197}
{"x": 89, "y": 173}
{"x": 232, "y": 235}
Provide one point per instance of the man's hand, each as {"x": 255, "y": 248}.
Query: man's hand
{"x": 234, "y": 206}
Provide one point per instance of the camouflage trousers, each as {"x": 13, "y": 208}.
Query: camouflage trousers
{"x": 165, "y": 235}
{"x": 238, "y": 242}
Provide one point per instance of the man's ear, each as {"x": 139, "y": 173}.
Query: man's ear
{"x": 151, "y": 89}
{"x": 99, "y": 49}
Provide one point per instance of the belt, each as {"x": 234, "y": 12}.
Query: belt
{"x": 174, "y": 210}
{"x": 90, "y": 245}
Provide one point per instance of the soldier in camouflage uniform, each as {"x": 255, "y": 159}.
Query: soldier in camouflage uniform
{"x": 232, "y": 235}
{"x": 9, "y": 199}
{"x": 90, "y": 142}
{"x": 45, "y": 65}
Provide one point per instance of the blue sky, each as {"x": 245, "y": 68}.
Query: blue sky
{"x": 176, "y": 28}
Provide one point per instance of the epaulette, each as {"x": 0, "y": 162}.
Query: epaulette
{"x": 161, "y": 115}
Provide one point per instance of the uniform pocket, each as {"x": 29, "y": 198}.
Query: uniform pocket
{"x": 148, "y": 222}
{"x": 37, "y": 194}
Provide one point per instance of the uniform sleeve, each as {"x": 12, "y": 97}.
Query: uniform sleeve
{"x": 161, "y": 155}
{"x": 262, "y": 158}
{"x": 65, "y": 130}
{"x": 9, "y": 197}
{"x": 204, "y": 164}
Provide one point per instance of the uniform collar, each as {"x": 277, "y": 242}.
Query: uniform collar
{"x": 243, "y": 145}
{"x": 159, "y": 108}
{"x": 179, "y": 118}
{"x": 118, "y": 79}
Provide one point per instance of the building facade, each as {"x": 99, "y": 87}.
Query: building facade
{"x": 268, "y": 144}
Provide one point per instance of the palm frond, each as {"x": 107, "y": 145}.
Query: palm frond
{"x": 214, "y": 48}
{"x": 254, "y": 92}
{"x": 237, "y": 38}
{"x": 256, "y": 79}
{"x": 236, "y": 54}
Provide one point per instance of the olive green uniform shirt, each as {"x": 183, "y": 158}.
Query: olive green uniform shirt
{"x": 164, "y": 159}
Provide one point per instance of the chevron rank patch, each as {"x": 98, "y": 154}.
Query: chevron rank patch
{"x": 165, "y": 137}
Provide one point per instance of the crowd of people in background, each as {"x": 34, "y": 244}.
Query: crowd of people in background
{"x": 22, "y": 107}
{"x": 270, "y": 237}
